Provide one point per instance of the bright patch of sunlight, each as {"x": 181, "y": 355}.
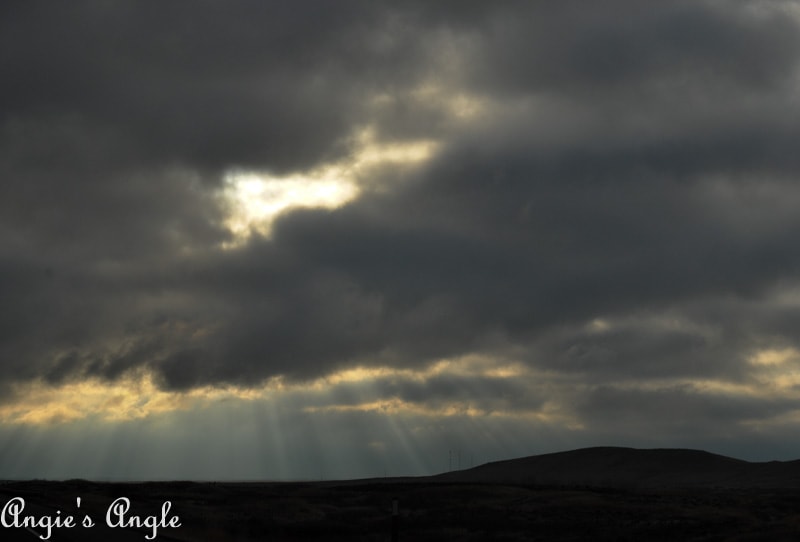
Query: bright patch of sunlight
{"x": 254, "y": 199}
{"x": 774, "y": 356}
{"x": 468, "y": 365}
{"x": 131, "y": 398}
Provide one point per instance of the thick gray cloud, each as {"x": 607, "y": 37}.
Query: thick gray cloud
{"x": 202, "y": 84}
{"x": 627, "y": 164}
{"x": 574, "y": 48}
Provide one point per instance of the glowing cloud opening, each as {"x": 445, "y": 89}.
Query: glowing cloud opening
{"x": 255, "y": 199}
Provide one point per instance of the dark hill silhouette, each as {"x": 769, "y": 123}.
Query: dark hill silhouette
{"x": 632, "y": 468}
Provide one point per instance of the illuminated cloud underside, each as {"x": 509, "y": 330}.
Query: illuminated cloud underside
{"x": 137, "y": 397}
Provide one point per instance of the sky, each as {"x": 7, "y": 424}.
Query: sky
{"x": 315, "y": 240}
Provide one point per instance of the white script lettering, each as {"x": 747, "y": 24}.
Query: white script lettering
{"x": 117, "y": 516}
{"x": 12, "y": 516}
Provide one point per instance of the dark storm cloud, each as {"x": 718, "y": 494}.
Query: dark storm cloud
{"x": 615, "y": 170}
{"x": 117, "y": 119}
{"x": 684, "y": 406}
{"x": 574, "y": 47}
{"x": 199, "y": 83}
{"x": 643, "y": 350}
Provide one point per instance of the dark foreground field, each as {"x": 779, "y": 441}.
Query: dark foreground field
{"x": 435, "y": 511}
{"x": 598, "y": 494}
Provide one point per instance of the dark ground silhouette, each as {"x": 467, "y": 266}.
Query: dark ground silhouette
{"x": 468, "y": 506}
